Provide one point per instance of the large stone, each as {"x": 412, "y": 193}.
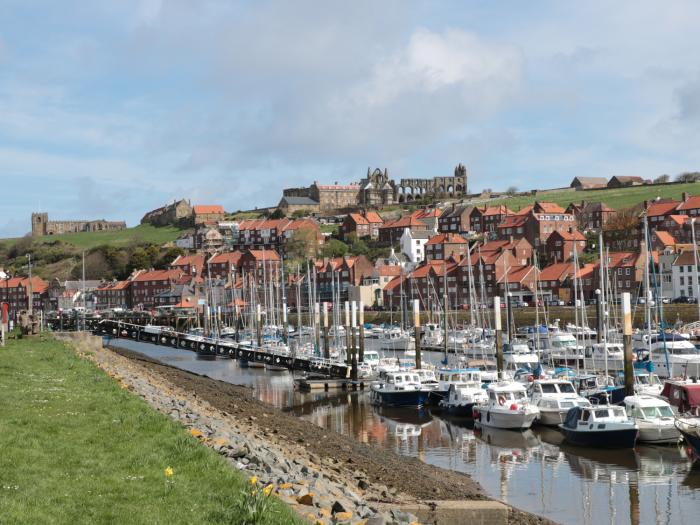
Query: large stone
{"x": 306, "y": 499}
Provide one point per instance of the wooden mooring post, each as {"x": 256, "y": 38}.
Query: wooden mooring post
{"x": 347, "y": 333}
{"x": 258, "y": 318}
{"x": 326, "y": 342}
{"x": 499, "y": 335}
{"x": 361, "y": 357}
{"x": 416, "y": 329}
{"x": 353, "y": 348}
{"x": 627, "y": 343}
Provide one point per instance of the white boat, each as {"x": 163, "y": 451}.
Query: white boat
{"x": 396, "y": 339}
{"x": 432, "y": 335}
{"x": 372, "y": 358}
{"x": 646, "y": 383}
{"x": 427, "y": 378}
{"x": 605, "y": 356}
{"x": 683, "y": 358}
{"x": 563, "y": 349}
{"x": 554, "y": 398}
{"x": 508, "y": 407}
{"x": 654, "y": 418}
{"x": 463, "y": 394}
{"x": 364, "y": 370}
{"x": 387, "y": 364}
{"x": 519, "y": 355}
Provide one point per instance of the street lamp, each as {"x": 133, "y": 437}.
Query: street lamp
{"x": 31, "y": 290}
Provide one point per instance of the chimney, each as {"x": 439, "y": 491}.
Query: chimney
{"x": 685, "y": 196}
{"x": 646, "y": 204}
{"x": 510, "y": 239}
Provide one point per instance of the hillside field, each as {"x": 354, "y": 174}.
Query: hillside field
{"x": 615, "y": 198}
{"x": 141, "y": 234}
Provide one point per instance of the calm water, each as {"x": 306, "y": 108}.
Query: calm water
{"x": 533, "y": 470}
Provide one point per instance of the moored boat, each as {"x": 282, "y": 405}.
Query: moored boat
{"x": 508, "y": 407}
{"x": 554, "y": 398}
{"x": 399, "y": 389}
{"x": 601, "y": 426}
{"x": 654, "y": 418}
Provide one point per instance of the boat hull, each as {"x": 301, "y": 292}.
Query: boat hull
{"x": 505, "y": 419}
{"x": 693, "y": 439}
{"x": 405, "y": 398}
{"x": 657, "y": 435}
{"x": 552, "y": 418}
{"x": 465, "y": 410}
{"x": 621, "y": 438}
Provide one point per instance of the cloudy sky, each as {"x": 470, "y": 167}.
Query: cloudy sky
{"x": 111, "y": 108}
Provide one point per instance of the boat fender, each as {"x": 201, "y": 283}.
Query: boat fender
{"x": 501, "y": 400}
{"x": 514, "y": 407}
{"x": 530, "y": 378}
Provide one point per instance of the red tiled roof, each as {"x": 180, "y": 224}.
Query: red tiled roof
{"x": 388, "y": 270}
{"x": 447, "y": 238}
{"x": 496, "y": 210}
{"x": 692, "y": 203}
{"x": 548, "y": 207}
{"x": 231, "y": 258}
{"x": 570, "y": 235}
{"x": 158, "y": 275}
{"x": 557, "y": 271}
{"x": 665, "y": 238}
{"x": 513, "y": 221}
{"x": 680, "y": 220}
{"x": 524, "y": 211}
{"x": 656, "y": 209}
{"x": 184, "y": 304}
{"x": 38, "y": 284}
{"x": 586, "y": 270}
{"x": 374, "y": 217}
{"x": 357, "y": 218}
{"x": 265, "y": 255}
{"x": 202, "y": 209}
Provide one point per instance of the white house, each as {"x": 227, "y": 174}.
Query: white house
{"x": 683, "y": 276}
{"x": 413, "y": 244}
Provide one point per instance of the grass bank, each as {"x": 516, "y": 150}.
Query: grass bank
{"x": 77, "y": 448}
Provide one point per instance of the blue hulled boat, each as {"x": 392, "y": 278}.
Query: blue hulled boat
{"x": 399, "y": 389}
{"x": 603, "y": 426}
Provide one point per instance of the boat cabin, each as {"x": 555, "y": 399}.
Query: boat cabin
{"x": 402, "y": 380}
{"x": 684, "y": 396}
{"x": 647, "y": 407}
{"x": 589, "y": 417}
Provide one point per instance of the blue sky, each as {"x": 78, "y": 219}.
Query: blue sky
{"x": 109, "y": 109}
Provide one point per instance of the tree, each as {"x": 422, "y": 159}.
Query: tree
{"x": 662, "y": 179}
{"x": 299, "y": 214}
{"x": 302, "y": 245}
{"x": 277, "y": 214}
{"x": 688, "y": 176}
{"x": 334, "y": 248}
{"x": 512, "y": 190}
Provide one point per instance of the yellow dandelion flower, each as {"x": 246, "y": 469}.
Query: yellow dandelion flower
{"x": 254, "y": 480}
{"x": 267, "y": 490}
{"x": 169, "y": 472}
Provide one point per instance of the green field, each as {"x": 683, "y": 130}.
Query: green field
{"x": 143, "y": 233}
{"x": 77, "y": 448}
{"x": 615, "y": 198}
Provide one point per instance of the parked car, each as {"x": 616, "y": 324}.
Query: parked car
{"x": 556, "y": 302}
{"x": 520, "y": 304}
{"x": 683, "y": 300}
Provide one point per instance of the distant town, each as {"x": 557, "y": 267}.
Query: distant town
{"x": 378, "y": 241}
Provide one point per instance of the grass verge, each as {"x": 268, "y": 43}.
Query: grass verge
{"x": 77, "y": 448}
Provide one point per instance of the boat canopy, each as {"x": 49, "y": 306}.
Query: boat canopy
{"x": 684, "y": 396}
{"x": 572, "y": 417}
{"x": 668, "y": 338}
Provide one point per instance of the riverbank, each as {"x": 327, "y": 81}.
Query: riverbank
{"x": 78, "y": 447}
{"x": 337, "y": 470}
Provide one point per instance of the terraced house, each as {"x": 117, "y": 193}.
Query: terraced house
{"x": 16, "y": 291}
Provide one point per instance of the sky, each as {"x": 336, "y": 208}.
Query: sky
{"x": 109, "y": 109}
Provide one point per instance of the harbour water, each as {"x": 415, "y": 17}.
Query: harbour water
{"x": 533, "y": 471}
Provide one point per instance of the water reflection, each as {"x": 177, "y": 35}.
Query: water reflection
{"x": 534, "y": 470}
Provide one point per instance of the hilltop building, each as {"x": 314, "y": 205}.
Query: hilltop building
{"x": 41, "y": 225}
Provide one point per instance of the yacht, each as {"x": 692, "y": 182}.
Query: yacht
{"x": 605, "y": 355}
{"x": 427, "y": 378}
{"x": 682, "y": 356}
{"x": 654, "y": 418}
{"x": 554, "y": 398}
{"x": 372, "y": 358}
{"x": 508, "y": 407}
{"x": 396, "y": 339}
{"x": 399, "y": 389}
{"x": 564, "y": 350}
{"x": 599, "y": 426}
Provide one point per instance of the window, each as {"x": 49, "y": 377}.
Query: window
{"x": 682, "y": 280}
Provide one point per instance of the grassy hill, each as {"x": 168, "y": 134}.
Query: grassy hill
{"x": 142, "y": 234}
{"x": 615, "y": 198}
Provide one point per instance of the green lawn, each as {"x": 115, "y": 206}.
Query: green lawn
{"x": 145, "y": 233}
{"x": 76, "y": 448}
{"x": 615, "y": 198}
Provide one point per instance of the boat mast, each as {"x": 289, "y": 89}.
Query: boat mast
{"x": 601, "y": 298}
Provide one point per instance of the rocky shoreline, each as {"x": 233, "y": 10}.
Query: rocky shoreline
{"x": 326, "y": 477}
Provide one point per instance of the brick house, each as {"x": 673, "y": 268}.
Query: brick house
{"x": 225, "y": 263}
{"x": 556, "y": 281}
{"x": 362, "y": 225}
{"x": 520, "y": 281}
{"x": 657, "y": 211}
{"x": 544, "y": 219}
{"x": 625, "y": 181}
{"x": 625, "y": 270}
{"x": 560, "y": 245}
{"x": 115, "y": 294}
{"x": 487, "y": 218}
{"x": 190, "y": 264}
{"x": 260, "y": 265}
{"x": 16, "y": 292}
{"x": 390, "y": 232}
{"x": 591, "y": 215}
{"x": 341, "y": 272}
{"x": 427, "y": 283}
{"x": 270, "y": 234}
{"x": 147, "y": 284}
{"x": 445, "y": 246}
{"x": 689, "y": 205}
{"x": 455, "y": 219}
{"x": 207, "y": 213}
{"x": 587, "y": 183}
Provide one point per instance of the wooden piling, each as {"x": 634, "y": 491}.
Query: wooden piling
{"x": 347, "y": 333}
{"x": 285, "y": 324}
{"x": 317, "y": 327}
{"x": 361, "y": 357}
{"x": 499, "y": 335}
{"x": 353, "y": 347}
{"x": 598, "y": 317}
{"x": 416, "y": 328}
{"x": 326, "y": 342}
{"x": 627, "y": 343}
{"x": 258, "y": 318}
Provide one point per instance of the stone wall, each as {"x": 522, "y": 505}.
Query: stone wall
{"x": 41, "y": 225}
{"x": 177, "y": 213}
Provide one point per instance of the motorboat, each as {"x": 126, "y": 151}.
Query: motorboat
{"x": 599, "y": 426}
{"x": 507, "y": 407}
{"x": 519, "y": 355}
{"x": 564, "y": 349}
{"x": 396, "y": 339}
{"x": 454, "y": 376}
{"x": 683, "y": 396}
{"x": 364, "y": 370}
{"x": 432, "y": 335}
{"x": 462, "y": 397}
{"x": 647, "y": 383}
{"x": 399, "y": 389}
{"x": 372, "y": 358}
{"x": 554, "y": 398}
{"x": 387, "y": 364}
{"x": 599, "y": 389}
{"x": 674, "y": 356}
{"x": 602, "y": 356}
{"x": 690, "y": 430}
{"x": 654, "y": 418}
{"x": 427, "y": 378}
